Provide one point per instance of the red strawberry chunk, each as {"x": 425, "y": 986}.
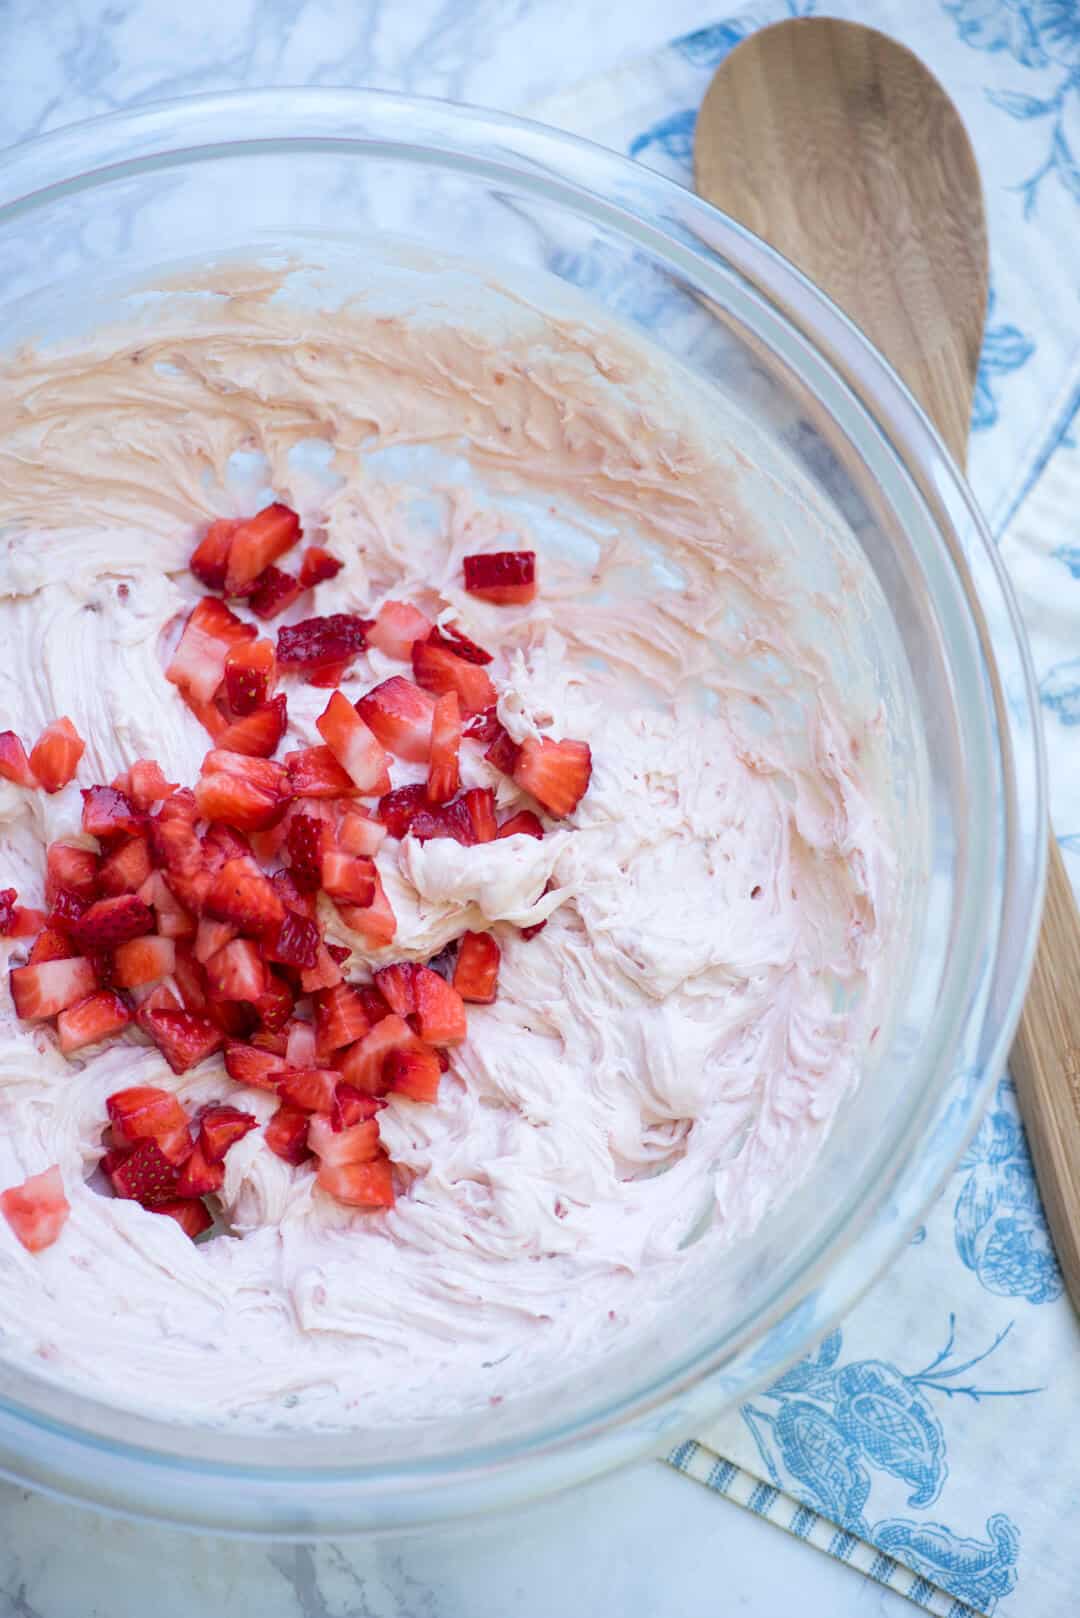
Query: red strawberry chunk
{"x": 257, "y": 1068}
{"x": 294, "y": 942}
{"x": 445, "y": 820}
{"x": 250, "y": 675}
{"x": 503, "y": 752}
{"x": 341, "y": 1019}
{"x": 323, "y": 975}
{"x": 89, "y": 1021}
{"x": 359, "y": 1185}
{"x": 37, "y": 1210}
{"x": 173, "y": 921}
{"x": 108, "y": 813}
{"x": 25, "y": 923}
{"x": 245, "y": 792}
{"x": 236, "y": 972}
{"x": 109, "y": 922}
{"x": 440, "y": 1010}
{"x": 452, "y": 639}
{"x": 146, "y": 1112}
{"x": 476, "y": 973}
{"x": 126, "y": 868}
{"x": 358, "y": 1143}
{"x": 359, "y": 833}
{"x": 242, "y": 896}
{"x": 275, "y": 1005}
{"x": 314, "y": 772}
{"x": 414, "y": 1073}
{"x": 328, "y": 676}
{"x": 198, "y": 1177}
{"x": 173, "y": 839}
{"x": 483, "y": 727}
{"x": 198, "y": 664}
{"x": 193, "y": 1217}
{"x": 220, "y": 1127}
{"x": 479, "y": 805}
{"x": 55, "y": 755}
{"x": 399, "y": 808}
{"x": 143, "y": 960}
{"x": 376, "y": 923}
{"x": 349, "y": 878}
{"x": 557, "y": 774}
{"x": 257, "y": 543}
{"x": 208, "y": 714}
{"x": 300, "y": 1048}
{"x": 45, "y": 989}
{"x": 182, "y": 1037}
{"x": 364, "y": 1063}
{"x": 316, "y": 565}
{"x": 72, "y": 869}
{"x": 305, "y": 843}
{"x": 523, "y": 824}
{"x": 294, "y": 897}
{"x": 273, "y": 1041}
{"x": 354, "y": 746}
{"x": 437, "y": 669}
{"x": 258, "y": 733}
{"x": 65, "y": 910}
{"x": 444, "y": 776}
{"x": 286, "y": 1134}
{"x": 506, "y": 577}
{"x": 400, "y": 716}
{"x": 318, "y": 643}
{"x": 212, "y": 936}
{"x": 8, "y": 897}
{"x": 50, "y": 946}
{"x": 397, "y": 986}
{"x": 352, "y": 1106}
{"x": 14, "y": 764}
{"x": 310, "y": 1088}
{"x": 273, "y": 593}
{"x": 147, "y": 784}
{"x": 210, "y": 558}
{"x": 338, "y": 952}
{"x": 221, "y": 843}
{"x": 144, "y": 1174}
{"x": 397, "y": 625}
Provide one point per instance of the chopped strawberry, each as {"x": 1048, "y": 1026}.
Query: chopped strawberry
{"x": 220, "y": 1127}
{"x": 47, "y": 988}
{"x": 242, "y": 896}
{"x": 323, "y": 975}
{"x": 108, "y": 813}
{"x": 503, "y": 752}
{"x": 339, "y": 953}
{"x": 198, "y": 1177}
{"x": 359, "y": 1185}
{"x": 220, "y": 844}
{"x": 173, "y": 920}
{"x": 314, "y": 772}
{"x": 236, "y": 972}
{"x": 250, "y": 675}
{"x": 317, "y": 565}
{"x": 294, "y": 942}
{"x": 359, "y": 833}
{"x": 183, "y": 1038}
{"x": 348, "y": 878}
{"x": 37, "y": 1210}
{"x": 397, "y": 986}
{"x": 340, "y": 1019}
{"x": 173, "y": 838}
{"x": 453, "y": 639}
{"x": 198, "y": 664}
{"x": 364, "y": 1062}
{"x": 249, "y": 1065}
{"x": 444, "y": 777}
{"x": 300, "y": 1049}
{"x": 400, "y": 715}
{"x": 146, "y": 1112}
{"x": 437, "y": 669}
{"x": 273, "y": 593}
{"x": 25, "y": 922}
{"x": 65, "y": 910}
{"x": 319, "y": 643}
{"x": 144, "y": 1173}
{"x": 273, "y": 1041}
{"x": 293, "y": 896}
{"x": 479, "y": 805}
{"x": 440, "y": 1010}
{"x": 328, "y": 676}
{"x": 354, "y": 746}
{"x": 72, "y": 869}
{"x": 397, "y": 625}
{"x": 414, "y": 1073}
{"x": 208, "y": 714}
{"x": 286, "y": 1134}
{"x": 531, "y": 932}
{"x": 160, "y": 999}
{"x": 258, "y": 733}
{"x": 210, "y": 558}
{"x": 248, "y": 793}
{"x": 143, "y": 960}
{"x": 483, "y": 727}
{"x": 192, "y": 1216}
{"x": 352, "y": 1106}
{"x": 556, "y": 773}
{"x": 275, "y": 1005}
{"x": 109, "y": 922}
{"x": 476, "y": 973}
{"x": 50, "y": 946}
{"x": 257, "y": 543}
{"x": 376, "y": 923}
{"x": 147, "y": 784}
{"x": 8, "y": 897}
{"x": 126, "y": 868}
{"x": 14, "y": 764}
{"x": 399, "y": 808}
{"x": 506, "y": 577}
{"x": 356, "y": 1143}
{"x": 310, "y": 1088}
{"x": 55, "y": 755}
{"x": 305, "y": 843}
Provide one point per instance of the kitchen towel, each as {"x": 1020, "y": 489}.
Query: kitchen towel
{"x": 927, "y": 1441}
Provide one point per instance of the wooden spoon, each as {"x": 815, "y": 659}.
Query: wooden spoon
{"x": 837, "y": 146}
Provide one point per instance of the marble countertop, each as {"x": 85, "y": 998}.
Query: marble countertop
{"x": 647, "y": 1543}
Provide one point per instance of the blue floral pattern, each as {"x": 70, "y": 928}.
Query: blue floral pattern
{"x": 1005, "y": 348}
{"x": 1059, "y": 690}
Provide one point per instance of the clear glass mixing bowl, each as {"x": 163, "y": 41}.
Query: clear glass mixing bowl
{"x": 298, "y": 171}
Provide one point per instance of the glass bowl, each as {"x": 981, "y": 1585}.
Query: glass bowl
{"x": 303, "y": 172}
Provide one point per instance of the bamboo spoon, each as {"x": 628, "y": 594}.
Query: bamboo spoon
{"x": 835, "y": 145}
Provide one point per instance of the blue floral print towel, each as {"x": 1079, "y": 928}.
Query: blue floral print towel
{"x": 931, "y": 1440}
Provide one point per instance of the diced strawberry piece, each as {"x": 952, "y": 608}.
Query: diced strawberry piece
{"x": 436, "y": 669}
{"x": 440, "y": 1009}
{"x": 45, "y": 989}
{"x": 318, "y": 643}
{"x": 25, "y": 922}
{"x": 359, "y": 1185}
{"x": 340, "y": 1019}
{"x": 376, "y": 923}
{"x": 159, "y": 999}
{"x": 247, "y": 793}
{"x": 414, "y": 1073}
{"x": 271, "y": 1040}
{"x": 183, "y": 1038}
{"x": 300, "y": 1049}
{"x": 359, "y": 833}
{"x": 208, "y": 714}
{"x": 173, "y": 839}
{"x": 275, "y": 1005}
{"x": 146, "y": 1112}
{"x": 352, "y": 1106}
{"x": 328, "y": 676}
{"x": 198, "y": 664}
{"x": 8, "y": 897}
{"x": 55, "y": 755}
{"x": 220, "y": 844}
{"x": 259, "y": 732}
{"x": 444, "y": 776}
{"x": 37, "y": 1210}
{"x": 453, "y": 639}
{"x": 236, "y": 972}
{"x": 397, "y": 625}
{"x": 557, "y": 774}
{"x": 109, "y": 922}
{"x": 479, "y": 805}
{"x": 476, "y": 973}
{"x": 273, "y": 593}
{"x": 354, "y": 746}
{"x": 250, "y": 676}
{"x": 339, "y": 953}
{"x": 294, "y": 942}
{"x": 348, "y": 878}
{"x": 305, "y": 843}
{"x": 74, "y": 870}
{"x": 445, "y": 820}
{"x": 316, "y": 565}
{"x": 311, "y": 1088}
{"x": 363, "y": 1064}
{"x": 242, "y": 896}
{"x": 400, "y": 715}
{"x": 14, "y": 764}
{"x": 173, "y": 920}
{"x": 358, "y": 1143}
{"x": 143, "y": 960}
{"x": 314, "y": 772}
{"x": 399, "y": 808}
{"x": 323, "y": 975}
{"x": 249, "y": 1065}
{"x": 210, "y": 558}
{"x": 286, "y": 1134}
{"x": 50, "y": 946}
{"x": 503, "y": 752}
{"x": 198, "y": 1177}
{"x": 65, "y": 910}
{"x": 397, "y": 986}
{"x": 144, "y": 1174}
{"x": 126, "y": 868}
{"x": 147, "y": 784}
{"x": 506, "y": 577}
{"x": 293, "y": 896}
{"x": 257, "y": 543}
{"x": 108, "y": 813}
{"x": 220, "y": 1127}
{"x": 192, "y": 1216}
{"x": 523, "y": 824}
{"x": 531, "y": 932}
{"x": 483, "y": 727}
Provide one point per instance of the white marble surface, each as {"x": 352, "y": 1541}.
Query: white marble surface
{"x": 648, "y": 1543}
